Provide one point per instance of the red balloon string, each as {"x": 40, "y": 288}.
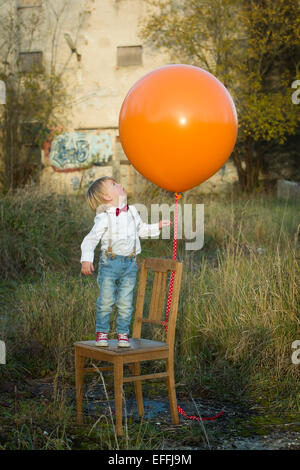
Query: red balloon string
{"x": 165, "y": 323}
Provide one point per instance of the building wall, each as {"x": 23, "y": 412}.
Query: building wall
{"x": 99, "y": 85}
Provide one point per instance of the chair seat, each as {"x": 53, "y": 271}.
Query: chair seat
{"x": 137, "y": 346}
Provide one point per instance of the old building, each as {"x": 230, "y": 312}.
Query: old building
{"x": 96, "y": 46}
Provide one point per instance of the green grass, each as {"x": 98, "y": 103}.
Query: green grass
{"x": 238, "y": 310}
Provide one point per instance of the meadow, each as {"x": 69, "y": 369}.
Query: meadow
{"x": 238, "y": 314}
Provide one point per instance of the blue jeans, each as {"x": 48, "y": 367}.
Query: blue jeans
{"x": 116, "y": 279}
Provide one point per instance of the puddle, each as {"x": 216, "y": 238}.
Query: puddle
{"x": 152, "y": 408}
{"x": 222, "y": 434}
{"x": 95, "y": 401}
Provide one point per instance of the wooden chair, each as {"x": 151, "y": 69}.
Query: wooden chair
{"x": 141, "y": 349}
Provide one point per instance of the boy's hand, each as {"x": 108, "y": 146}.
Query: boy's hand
{"x": 87, "y": 268}
{"x": 164, "y": 223}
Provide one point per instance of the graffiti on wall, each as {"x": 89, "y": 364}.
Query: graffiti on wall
{"x": 72, "y": 151}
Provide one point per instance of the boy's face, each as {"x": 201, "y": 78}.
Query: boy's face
{"x": 115, "y": 193}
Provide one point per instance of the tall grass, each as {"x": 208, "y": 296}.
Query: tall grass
{"x": 241, "y": 314}
{"x": 40, "y": 229}
{"x": 49, "y": 316}
{"x": 239, "y": 302}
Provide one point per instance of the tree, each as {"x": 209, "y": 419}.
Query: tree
{"x": 266, "y": 113}
{"x": 37, "y": 100}
{"x": 252, "y": 46}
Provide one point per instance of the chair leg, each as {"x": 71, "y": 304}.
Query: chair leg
{"x": 136, "y": 369}
{"x": 118, "y": 385}
{"x": 172, "y": 391}
{"x": 79, "y": 363}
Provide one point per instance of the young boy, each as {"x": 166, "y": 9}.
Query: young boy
{"x": 119, "y": 227}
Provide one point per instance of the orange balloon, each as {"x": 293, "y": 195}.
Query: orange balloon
{"x": 178, "y": 126}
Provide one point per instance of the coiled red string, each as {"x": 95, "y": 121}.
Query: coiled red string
{"x": 165, "y": 323}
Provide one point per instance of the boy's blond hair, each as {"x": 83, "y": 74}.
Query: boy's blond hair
{"x": 95, "y": 193}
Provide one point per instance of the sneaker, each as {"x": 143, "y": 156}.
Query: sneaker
{"x": 123, "y": 341}
{"x": 101, "y": 339}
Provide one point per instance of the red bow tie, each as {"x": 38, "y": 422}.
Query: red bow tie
{"x": 125, "y": 209}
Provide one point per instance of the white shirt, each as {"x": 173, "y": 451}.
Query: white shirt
{"x": 126, "y": 228}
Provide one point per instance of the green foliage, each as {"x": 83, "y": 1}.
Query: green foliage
{"x": 192, "y": 31}
{"x": 266, "y": 70}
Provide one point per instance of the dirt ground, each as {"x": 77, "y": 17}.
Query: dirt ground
{"x": 242, "y": 426}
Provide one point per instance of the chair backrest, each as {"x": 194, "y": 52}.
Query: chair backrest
{"x": 157, "y": 313}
